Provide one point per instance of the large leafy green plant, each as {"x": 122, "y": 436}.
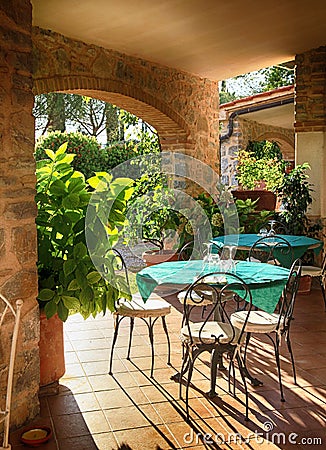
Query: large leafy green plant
{"x": 68, "y": 278}
{"x": 261, "y": 161}
{"x": 89, "y": 156}
{"x": 295, "y": 192}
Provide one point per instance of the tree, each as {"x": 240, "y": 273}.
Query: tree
{"x": 50, "y": 112}
{"x": 255, "y": 82}
{"x": 277, "y": 76}
{"x": 56, "y": 111}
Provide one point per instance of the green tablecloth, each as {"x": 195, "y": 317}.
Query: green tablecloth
{"x": 299, "y": 244}
{"x": 265, "y": 281}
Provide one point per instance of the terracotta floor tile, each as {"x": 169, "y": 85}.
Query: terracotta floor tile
{"x": 87, "y": 401}
{"x": 78, "y": 443}
{"x": 96, "y": 422}
{"x": 105, "y": 441}
{"x": 318, "y": 373}
{"x": 93, "y": 355}
{"x": 78, "y": 335}
{"x": 71, "y": 358}
{"x": 144, "y": 438}
{"x": 145, "y": 412}
{"x": 113, "y": 399}
{"x": 77, "y": 385}
{"x": 91, "y": 344}
{"x": 63, "y": 404}
{"x": 71, "y": 425}
{"x": 74, "y": 370}
{"x": 102, "y": 382}
{"x": 163, "y": 412}
{"x": 126, "y": 417}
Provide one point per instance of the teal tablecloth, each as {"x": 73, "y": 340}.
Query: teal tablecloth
{"x": 299, "y": 244}
{"x": 265, "y": 281}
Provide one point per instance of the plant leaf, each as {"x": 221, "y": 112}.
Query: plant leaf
{"x": 45, "y": 295}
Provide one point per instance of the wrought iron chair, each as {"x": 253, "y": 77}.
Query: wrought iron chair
{"x": 216, "y": 334}
{"x": 7, "y": 309}
{"x": 274, "y": 325}
{"x": 149, "y": 312}
{"x": 270, "y": 249}
{"x": 189, "y": 253}
{"x": 319, "y": 273}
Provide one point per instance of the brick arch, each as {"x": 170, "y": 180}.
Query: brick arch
{"x": 286, "y": 143}
{"x": 181, "y": 106}
{"x": 172, "y": 130}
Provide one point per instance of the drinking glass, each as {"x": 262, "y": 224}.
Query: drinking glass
{"x": 272, "y": 231}
{"x": 263, "y": 232}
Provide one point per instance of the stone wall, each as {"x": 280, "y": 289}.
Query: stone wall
{"x": 310, "y": 91}
{"x": 243, "y": 131}
{"x": 18, "y": 275}
{"x": 310, "y": 122}
{"x": 182, "y": 107}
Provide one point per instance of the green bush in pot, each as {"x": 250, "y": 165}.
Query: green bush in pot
{"x": 68, "y": 280}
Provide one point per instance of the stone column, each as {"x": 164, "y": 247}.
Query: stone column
{"x": 18, "y": 246}
{"x": 310, "y": 121}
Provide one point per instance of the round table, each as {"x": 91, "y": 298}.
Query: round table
{"x": 266, "y": 282}
{"x": 299, "y": 244}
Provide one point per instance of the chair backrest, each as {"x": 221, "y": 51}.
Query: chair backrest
{"x": 228, "y": 293}
{"x": 286, "y": 305}
{"x": 121, "y": 277}
{"x": 272, "y": 249}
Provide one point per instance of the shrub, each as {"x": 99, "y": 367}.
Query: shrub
{"x": 260, "y": 161}
{"x": 90, "y": 157}
{"x": 120, "y": 152}
{"x": 69, "y": 282}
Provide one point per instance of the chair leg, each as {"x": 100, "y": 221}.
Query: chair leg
{"x": 115, "y": 335}
{"x": 131, "y": 329}
{"x": 151, "y": 340}
{"x": 192, "y": 358}
{"x": 288, "y": 343}
{"x": 278, "y": 363}
{"x": 215, "y": 359}
{"x": 165, "y": 328}
{"x": 184, "y": 369}
{"x": 322, "y": 290}
{"x": 243, "y": 376}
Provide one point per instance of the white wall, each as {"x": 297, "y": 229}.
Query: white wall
{"x": 311, "y": 148}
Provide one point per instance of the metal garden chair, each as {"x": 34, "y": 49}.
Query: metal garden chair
{"x": 6, "y": 310}
{"x": 275, "y": 325}
{"x": 215, "y": 334}
{"x": 149, "y": 312}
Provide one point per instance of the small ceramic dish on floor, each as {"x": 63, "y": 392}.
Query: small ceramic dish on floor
{"x": 35, "y": 435}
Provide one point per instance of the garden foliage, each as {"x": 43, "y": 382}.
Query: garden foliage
{"x": 68, "y": 278}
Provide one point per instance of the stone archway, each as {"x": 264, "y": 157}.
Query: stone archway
{"x": 181, "y": 106}
{"x": 286, "y": 143}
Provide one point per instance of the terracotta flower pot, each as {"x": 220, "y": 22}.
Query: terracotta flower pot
{"x": 51, "y": 348}
{"x": 152, "y": 257}
{"x": 266, "y": 199}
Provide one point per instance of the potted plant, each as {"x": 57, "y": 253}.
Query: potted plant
{"x": 295, "y": 193}
{"x": 160, "y": 231}
{"x": 260, "y": 172}
{"x": 68, "y": 279}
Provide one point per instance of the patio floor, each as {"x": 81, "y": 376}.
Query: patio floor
{"x": 97, "y": 411}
